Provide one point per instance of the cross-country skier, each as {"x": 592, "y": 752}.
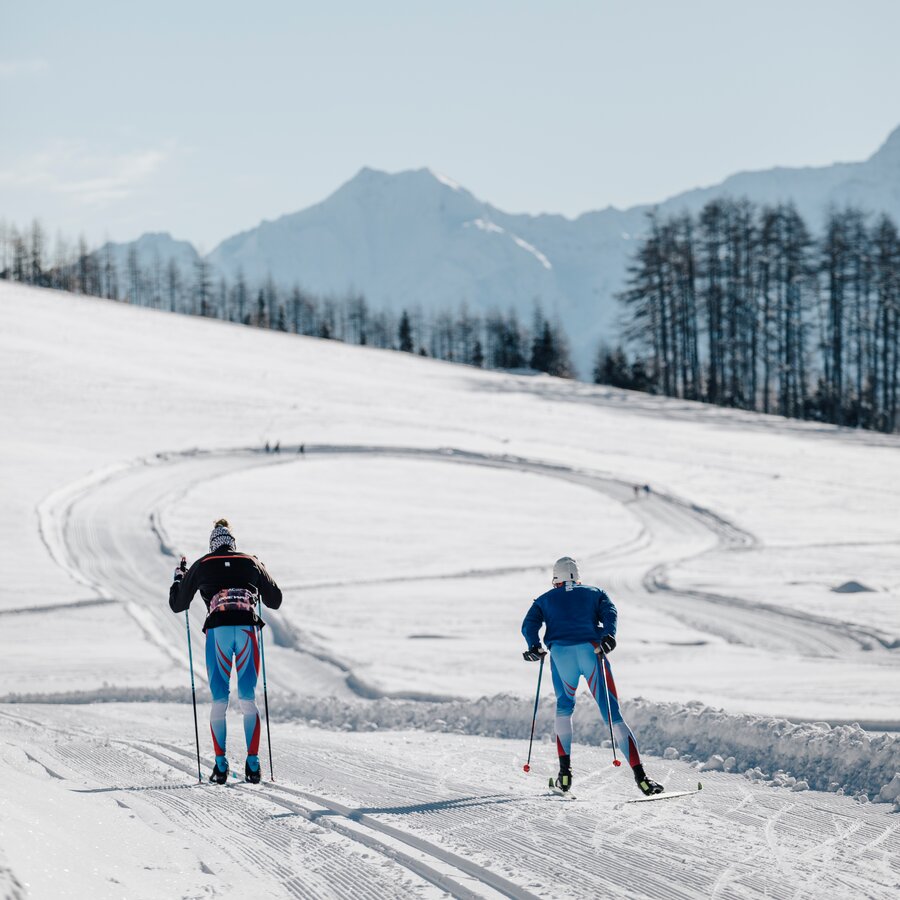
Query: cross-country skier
{"x": 230, "y": 584}
{"x": 580, "y": 624}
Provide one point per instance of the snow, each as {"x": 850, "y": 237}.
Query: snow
{"x": 449, "y": 182}
{"x": 533, "y": 250}
{"x": 491, "y": 228}
{"x": 484, "y": 225}
{"x": 410, "y": 536}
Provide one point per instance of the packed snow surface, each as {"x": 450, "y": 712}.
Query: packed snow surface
{"x": 411, "y": 513}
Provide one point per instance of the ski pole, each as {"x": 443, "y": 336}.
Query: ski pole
{"x": 262, "y": 653}
{"x": 537, "y": 697}
{"x": 603, "y": 671}
{"x": 187, "y": 623}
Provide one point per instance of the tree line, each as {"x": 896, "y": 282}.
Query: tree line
{"x": 743, "y": 306}
{"x": 494, "y": 340}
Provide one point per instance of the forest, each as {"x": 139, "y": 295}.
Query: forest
{"x": 743, "y": 306}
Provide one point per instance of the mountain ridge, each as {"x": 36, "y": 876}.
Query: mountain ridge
{"x": 419, "y": 239}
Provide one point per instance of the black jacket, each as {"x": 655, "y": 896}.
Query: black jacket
{"x": 217, "y": 571}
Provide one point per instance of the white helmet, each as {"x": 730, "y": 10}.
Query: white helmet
{"x": 565, "y": 569}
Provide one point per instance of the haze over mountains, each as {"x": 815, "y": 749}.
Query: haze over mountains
{"x": 417, "y": 239}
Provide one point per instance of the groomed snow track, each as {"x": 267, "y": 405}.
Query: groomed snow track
{"x": 350, "y": 816}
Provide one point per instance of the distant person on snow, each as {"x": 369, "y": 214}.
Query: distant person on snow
{"x": 230, "y": 584}
{"x": 580, "y": 625}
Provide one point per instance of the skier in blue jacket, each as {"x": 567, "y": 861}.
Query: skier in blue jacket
{"x": 580, "y": 633}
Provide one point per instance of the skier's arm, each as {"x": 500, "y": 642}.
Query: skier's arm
{"x": 531, "y": 625}
{"x": 607, "y": 616}
{"x": 182, "y": 591}
{"x": 268, "y": 590}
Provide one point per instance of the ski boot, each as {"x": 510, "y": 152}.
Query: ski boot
{"x": 564, "y": 779}
{"x": 252, "y": 770}
{"x": 219, "y": 774}
{"x": 564, "y": 782}
{"x": 647, "y": 785}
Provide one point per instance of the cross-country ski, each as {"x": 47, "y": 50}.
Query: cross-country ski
{"x": 665, "y": 795}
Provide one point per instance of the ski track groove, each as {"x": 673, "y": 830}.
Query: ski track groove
{"x": 229, "y": 814}
{"x": 270, "y": 791}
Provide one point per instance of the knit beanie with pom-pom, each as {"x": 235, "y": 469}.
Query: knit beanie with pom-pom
{"x": 221, "y": 536}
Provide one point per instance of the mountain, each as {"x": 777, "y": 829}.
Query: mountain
{"x": 416, "y": 238}
{"x": 873, "y": 185}
{"x": 151, "y": 248}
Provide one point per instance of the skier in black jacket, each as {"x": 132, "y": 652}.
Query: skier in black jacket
{"x": 230, "y": 584}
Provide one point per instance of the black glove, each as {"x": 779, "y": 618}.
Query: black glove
{"x": 534, "y": 653}
{"x": 180, "y": 569}
{"x": 607, "y": 643}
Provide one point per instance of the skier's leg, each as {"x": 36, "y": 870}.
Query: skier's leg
{"x": 624, "y": 737}
{"x": 247, "y": 663}
{"x": 564, "y": 670}
{"x": 593, "y": 672}
{"x": 219, "y": 648}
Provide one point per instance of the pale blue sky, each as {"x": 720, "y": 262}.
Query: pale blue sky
{"x": 203, "y": 118}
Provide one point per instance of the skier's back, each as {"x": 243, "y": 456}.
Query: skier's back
{"x": 230, "y": 584}
{"x": 580, "y": 629}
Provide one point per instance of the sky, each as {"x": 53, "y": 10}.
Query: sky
{"x": 202, "y": 119}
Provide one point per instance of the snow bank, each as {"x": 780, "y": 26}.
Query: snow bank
{"x": 817, "y": 755}
{"x": 110, "y": 694}
{"x": 821, "y": 754}
{"x": 811, "y": 755}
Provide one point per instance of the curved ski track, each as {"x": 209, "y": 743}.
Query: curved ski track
{"x": 106, "y": 531}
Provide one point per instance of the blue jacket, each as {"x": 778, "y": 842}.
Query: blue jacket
{"x": 573, "y": 614}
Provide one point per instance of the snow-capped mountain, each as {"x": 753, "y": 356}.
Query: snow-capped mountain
{"x": 412, "y": 238}
{"x": 416, "y": 238}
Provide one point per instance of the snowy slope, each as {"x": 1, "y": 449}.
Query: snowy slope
{"x": 410, "y": 535}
